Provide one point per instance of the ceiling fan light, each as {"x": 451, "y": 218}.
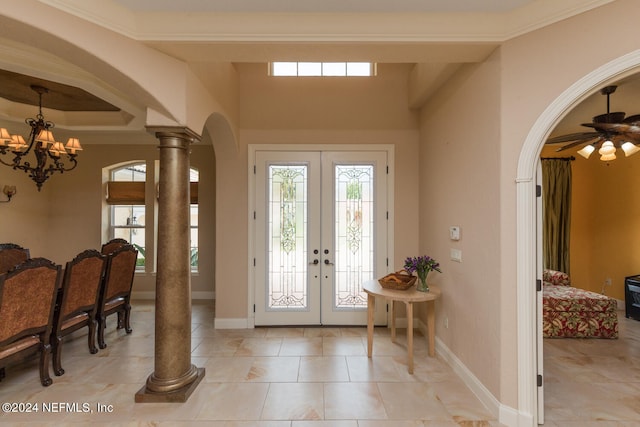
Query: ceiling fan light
{"x": 629, "y": 148}
{"x": 608, "y": 157}
{"x": 586, "y": 151}
{"x": 607, "y": 148}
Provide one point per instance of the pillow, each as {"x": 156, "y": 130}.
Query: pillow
{"x": 556, "y": 278}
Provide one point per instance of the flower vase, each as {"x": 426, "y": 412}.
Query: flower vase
{"x": 422, "y": 284}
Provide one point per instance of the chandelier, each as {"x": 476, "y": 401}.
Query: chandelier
{"x": 47, "y": 151}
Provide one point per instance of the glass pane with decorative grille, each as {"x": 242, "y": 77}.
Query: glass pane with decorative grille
{"x": 287, "y": 237}
{"x": 354, "y": 231}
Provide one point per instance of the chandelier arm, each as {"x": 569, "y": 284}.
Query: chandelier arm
{"x": 13, "y": 165}
{"x": 59, "y": 166}
{"x": 16, "y": 163}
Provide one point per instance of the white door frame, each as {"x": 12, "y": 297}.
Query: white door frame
{"x": 252, "y": 148}
{"x": 526, "y": 237}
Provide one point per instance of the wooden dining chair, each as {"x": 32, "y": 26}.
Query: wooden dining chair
{"x": 27, "y": 302}
{"x": 78, "y": 302}
{"x": 12, "y": 255}
{"x": 112, "y": 245}
{"x": 115, "y": 295}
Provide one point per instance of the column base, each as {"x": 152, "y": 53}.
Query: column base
{"x": 176, "y": 396}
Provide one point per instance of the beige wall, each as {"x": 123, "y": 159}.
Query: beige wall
{"x": 312, "y": 111}
{"x": 459, "y": 178}
{"x": 472, "y": 133}
{"x": 69, "y": 214}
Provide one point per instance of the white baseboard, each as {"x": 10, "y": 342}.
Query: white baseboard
{"x": 238, "y": 323}
{"x": 504, "y": 414}
{"x": 151, "y": 295}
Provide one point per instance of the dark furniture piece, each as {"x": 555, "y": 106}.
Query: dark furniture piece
{"x": 632, "y": 297}
{"x": 27, "y": 302}
{"x": 12, "y": 255}
{"x": 112, "y": 245}
{"x": 116, "y": 290}
{"x": 78, "y": 301}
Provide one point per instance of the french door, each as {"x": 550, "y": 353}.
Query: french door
{"x": 320, "y": 232}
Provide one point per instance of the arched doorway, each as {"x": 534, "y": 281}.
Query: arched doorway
{"x": 529, "y": 403}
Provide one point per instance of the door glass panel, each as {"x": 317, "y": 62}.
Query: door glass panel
{"x": 354, "y": 230}
{"x": 287, "y": 238}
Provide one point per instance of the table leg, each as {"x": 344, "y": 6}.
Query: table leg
{"x": 393, "y": 321}
{"x": 371, "y": 307}
{"x": 431, "y": 327}
{"x": 410, "y": 336}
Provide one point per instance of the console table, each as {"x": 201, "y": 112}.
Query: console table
{"x": 409, "y": 296}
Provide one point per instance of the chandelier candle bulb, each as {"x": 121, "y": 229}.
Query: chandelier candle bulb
{"x": 73, "y": 145}
{"x": 5, "y": 137}
{"x": 46, "y": 137}
{"x": 17, "y": 143}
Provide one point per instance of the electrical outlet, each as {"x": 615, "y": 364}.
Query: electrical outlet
{"x": 607, "y": 281}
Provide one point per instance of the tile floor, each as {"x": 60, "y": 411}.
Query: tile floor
{"x": 263, "y": 377}
{"x": 316, "y": 377}
{"x": 593, "y": 382}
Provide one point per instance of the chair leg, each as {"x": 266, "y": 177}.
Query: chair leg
{"x": 127, "y": 318}
{"x": 92, "y": 337}
{"x": 57, "y": 353}
{"x": 120, "y": 323}
{"x": 101, "y": 325}
{"x": 45, "y": 352}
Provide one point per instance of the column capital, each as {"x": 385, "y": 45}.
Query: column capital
{"x": 181, "y": 132}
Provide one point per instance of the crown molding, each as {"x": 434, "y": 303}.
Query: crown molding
{"x": 324, "y": 27}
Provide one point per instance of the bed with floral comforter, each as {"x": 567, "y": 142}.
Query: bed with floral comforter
{"x": 569, "y": 312}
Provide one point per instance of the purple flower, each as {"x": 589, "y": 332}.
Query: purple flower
{"x": 422, "y": 265}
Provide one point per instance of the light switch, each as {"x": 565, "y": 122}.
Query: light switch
{"x": 454, "y": 232}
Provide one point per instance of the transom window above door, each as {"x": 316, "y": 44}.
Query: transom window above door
{"x": 322, "y": 69}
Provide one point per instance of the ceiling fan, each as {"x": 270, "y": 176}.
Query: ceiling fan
{"x": 611, "y": 131}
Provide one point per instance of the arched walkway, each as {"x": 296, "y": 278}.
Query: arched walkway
{"x": 526, "y": 232}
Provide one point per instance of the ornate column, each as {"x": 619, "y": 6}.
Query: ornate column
{"x": 174, "y": 377}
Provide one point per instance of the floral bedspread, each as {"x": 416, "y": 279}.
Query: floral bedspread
{"x": 573, "y": 312}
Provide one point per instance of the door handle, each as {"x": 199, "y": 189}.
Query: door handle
{"x": 327, "y": 262}
{"x": 314, "y": 262}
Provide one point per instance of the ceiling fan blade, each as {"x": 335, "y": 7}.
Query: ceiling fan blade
{"x": 585, "y": 142}
{"x": 632, "y": 136}
{"x": 580, "y": 136}
{"x": 615, "y": 127}
{"x": 633, "y": 120}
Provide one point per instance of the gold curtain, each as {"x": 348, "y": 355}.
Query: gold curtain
{"x": 556, "y": 193}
